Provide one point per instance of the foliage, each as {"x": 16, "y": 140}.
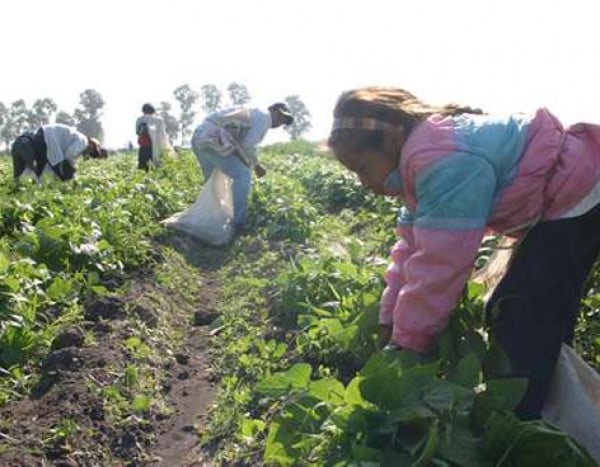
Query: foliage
{"x": 87, "y": 115}
{"x": 61, "y": 241}
{"x": 186, "y": 97}
{"x": 301, "y": 381}
{"x": 238, "y": 93}
{"x": 15, "y": 121}
{"x": 171, "y": 123}
{"x": 332, "y": 398}
{"x": 65, "y": 118}
{"x": 41, "y": 112}
{"x": 301, "y": 117}
{"x": 211, "y": 98}
{"x": 449, "y": 408}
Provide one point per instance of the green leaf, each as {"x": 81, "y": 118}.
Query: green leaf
{"x": 4, "y": 263}
{"x": 327, "y": 390}
{"x": 430, "y": 446}
{"x": 279, "y": 384}
{"x": 351, "y": 420}
{"x": 496, "y": 363}
{"x": 100, "y": 290}
{"x": 443, "y": 395}
{"x": 251, "y": 428}
{"x": 275, "y": 450}
{"x": 48, "y": 230}
{"x": 446, "y": 348}
{"x": 341, "y": 335}
{"x": 353, "y": 395}
{"x": 103, "y": 245}
{"x": 505, "y": 394}
{"x": 60, "y": 288}
{"x": 411, "y": 414}
{"x": 133, "y": 342}
{"x": 475, "y": 291}
{"x": 500, "y": 395}
{"x": 364, "y": 454}
{"x": 472, "y": 342}
{"x": 461, "y": 447}
{"x": 390, "y": 380}
{"x": 468, "y": 371}
{"x": 12, "y": 283}
{"x": 396, "y": 459}
{"x": 140, "y": 403}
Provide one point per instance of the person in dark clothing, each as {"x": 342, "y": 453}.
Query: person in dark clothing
{"x": 152, "y": 138}
{"x": 55, "y": 146}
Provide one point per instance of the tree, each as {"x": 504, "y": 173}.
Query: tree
{"x": 16, "y": 121}
{"x": 238, "y": 93}
{"x": 87, "y": 116}
{"x": 186, "y": 97}
{"x": 212, "y": 98}
{"x": 65, "y": 118}
{"x": 41, "y": 112}
{"x": 301, "y": 117}
{"x": 3, "y": 113}
{"x": 171, "y": 123}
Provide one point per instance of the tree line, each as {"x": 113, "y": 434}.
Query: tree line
{"x": 211, "y": 99}
{"x": 17, "y": 118}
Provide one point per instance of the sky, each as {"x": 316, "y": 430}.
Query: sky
{"x": 502, "y": 56}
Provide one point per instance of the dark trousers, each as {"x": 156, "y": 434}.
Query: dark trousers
{"x": 144, "y": 157}
{"x": 29, "y": 151}
{"x": 535, "y": 306}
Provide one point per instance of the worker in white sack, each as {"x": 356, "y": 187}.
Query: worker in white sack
{"x": 152, "y": 137}
{"x": 52, "y": 148}
{"x": 227, "y": 140}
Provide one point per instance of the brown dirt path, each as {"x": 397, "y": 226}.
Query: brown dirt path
{"x": 67, "y": 419}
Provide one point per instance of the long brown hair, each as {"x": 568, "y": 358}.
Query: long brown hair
{"x": 395, "y": 111}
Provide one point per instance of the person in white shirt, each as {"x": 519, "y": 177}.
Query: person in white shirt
{"x": 52, "y": 146}
{"x": 152, "y": 137}
{"x": 227, "y": 140}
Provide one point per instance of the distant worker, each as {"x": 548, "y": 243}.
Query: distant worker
{"x": 227, "y": 140}
{"x": 152, "y": 138}
{"x": 54, "y": 147}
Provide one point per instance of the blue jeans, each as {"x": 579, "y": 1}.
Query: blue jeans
{"x": 233, "y": 167}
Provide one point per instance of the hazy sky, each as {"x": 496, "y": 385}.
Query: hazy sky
{"x": 503, "y": 55}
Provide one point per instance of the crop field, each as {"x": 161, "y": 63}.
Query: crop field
{"x": 123, "y": 343}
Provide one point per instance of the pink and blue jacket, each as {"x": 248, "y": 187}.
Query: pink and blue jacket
{"x": 463, "y": 176}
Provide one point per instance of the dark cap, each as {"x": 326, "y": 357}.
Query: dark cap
{"x": 148, "y": 108}
{"x": 284, "y": 110}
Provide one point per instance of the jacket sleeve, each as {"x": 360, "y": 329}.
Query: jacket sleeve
{"x": 453, "y": 200}
{"x": 394, "y": 274}
{"x": 249, "y": 153}
{"x": 259, "y": 125}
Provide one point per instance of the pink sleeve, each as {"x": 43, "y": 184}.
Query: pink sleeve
{"x": 394, "y": 275}
{"x": 434, "y": 275}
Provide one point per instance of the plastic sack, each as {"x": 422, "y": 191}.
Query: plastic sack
{"x": 573, "y": 403}
{"x": 160, "y": 141}
{"x": 210, "y": 218}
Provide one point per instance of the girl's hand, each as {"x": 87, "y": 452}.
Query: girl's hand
{"x": 385, "y": 334}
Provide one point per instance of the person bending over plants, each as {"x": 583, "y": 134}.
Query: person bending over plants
{"x": 461, "y": 172}
{"x": 227, "y": 140}
{"x": 54, "y": 147}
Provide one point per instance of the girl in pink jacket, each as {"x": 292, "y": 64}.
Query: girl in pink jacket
{"x": 461, "y": 174}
